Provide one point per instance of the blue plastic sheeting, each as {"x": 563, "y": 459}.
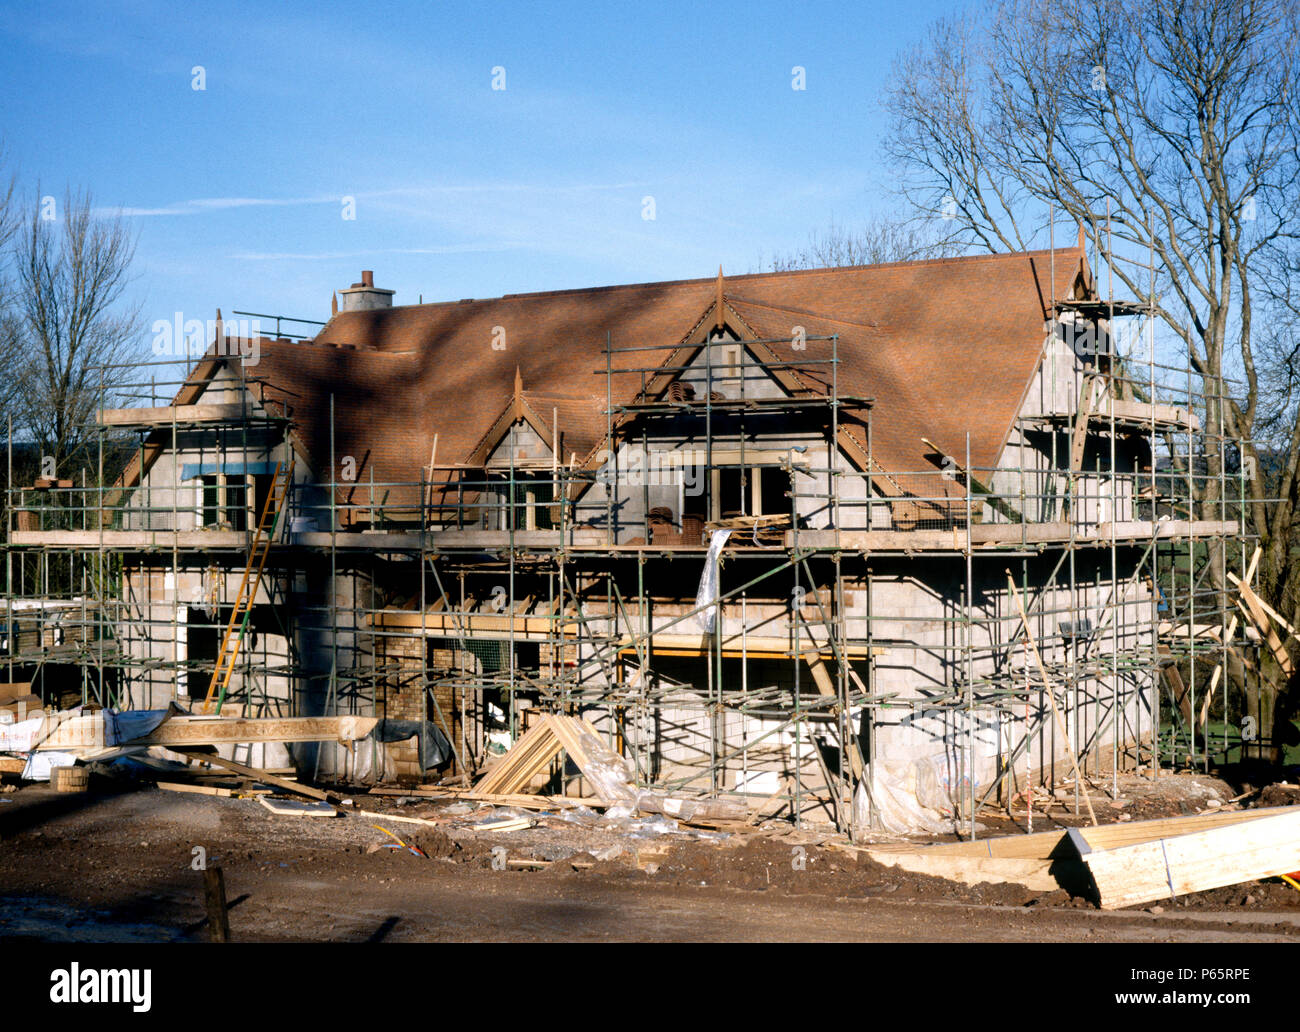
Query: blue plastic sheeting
{"x": 194, "y": 470}
{"x": 125, "y": 726}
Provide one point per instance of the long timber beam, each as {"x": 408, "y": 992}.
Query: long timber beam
{"x": 991, "y": 536}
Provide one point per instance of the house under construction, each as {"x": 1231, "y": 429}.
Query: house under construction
{"x": 876, "y": 544}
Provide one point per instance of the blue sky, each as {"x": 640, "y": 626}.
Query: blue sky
{"x": 236, "y": 191}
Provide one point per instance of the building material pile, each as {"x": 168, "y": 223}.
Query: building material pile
{"x": 1124, "y": 864}
{"x": 44, "y": 740}
{"x": 607, "y": 772}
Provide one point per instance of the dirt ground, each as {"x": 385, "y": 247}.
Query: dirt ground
{"x": 119, "y": 865}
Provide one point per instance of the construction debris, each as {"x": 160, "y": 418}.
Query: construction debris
{"x": 89, "y": 732}
{"x": 533, "y": 753}
{"x": 609, "y": 773}
{"x": 44, "y": 741}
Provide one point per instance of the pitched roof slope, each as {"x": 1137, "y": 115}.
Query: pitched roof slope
{"x": 943, "y": 347}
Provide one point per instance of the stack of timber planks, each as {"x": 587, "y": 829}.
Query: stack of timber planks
{"x": 542, "y": 743}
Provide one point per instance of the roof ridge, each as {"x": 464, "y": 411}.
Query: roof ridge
{"x": 711, "y": 281}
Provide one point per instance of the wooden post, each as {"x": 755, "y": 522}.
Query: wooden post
{"x": 1252, "y": 606}
{"x": 214, "y": 898}
{"x": 1232, "y": 629}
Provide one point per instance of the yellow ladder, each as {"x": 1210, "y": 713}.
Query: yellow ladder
{"x": 239, "y": 616}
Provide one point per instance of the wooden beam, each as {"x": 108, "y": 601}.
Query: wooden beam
{"x": 1175, "y": 866}
{"x": 1004, "y": 534}
{"x": 1144, "y": 412}
{"x": 1282, "y": 621}
{"x": 225, "y": 540}
{"x": 1079, "y": 438}
{"x": 214, "y": 901}
{"x": 476, "y": 625}
{"x": 260, "y": 775}
{"x": 1054, "y": 844}
{"x": 1232, "y": 629}
{"x": 1255, "y": 611}
{"x": 87, "y": 732}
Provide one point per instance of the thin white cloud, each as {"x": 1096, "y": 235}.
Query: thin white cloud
{"x": 200, "y": 205}
{"x": 222, "y": 203}
{"x": 266, "y": 256}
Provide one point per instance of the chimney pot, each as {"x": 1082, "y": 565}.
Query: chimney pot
{"x": 364, "y": 295}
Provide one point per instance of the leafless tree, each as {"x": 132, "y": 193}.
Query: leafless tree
{"x": 9, "y": 219}
{"x": 878, "y": 242}
{"x": 70, "y": 317}
{"x": 1180, "y": 119}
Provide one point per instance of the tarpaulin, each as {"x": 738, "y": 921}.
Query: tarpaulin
{"x": 435, "y": 750}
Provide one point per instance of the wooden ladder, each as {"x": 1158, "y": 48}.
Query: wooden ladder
{"x": 239, "y": 616}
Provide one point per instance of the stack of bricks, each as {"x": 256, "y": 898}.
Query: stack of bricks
{"x": 566, "y": 655}
{"x": 401, "y": 697}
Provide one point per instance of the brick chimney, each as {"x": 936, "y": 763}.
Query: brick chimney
{"x": 364, "y": 295}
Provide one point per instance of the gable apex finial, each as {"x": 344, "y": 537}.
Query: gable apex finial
{"x": 717, "y": 313}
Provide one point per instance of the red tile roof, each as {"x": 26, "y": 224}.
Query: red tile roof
{"x": 944, "y": 347}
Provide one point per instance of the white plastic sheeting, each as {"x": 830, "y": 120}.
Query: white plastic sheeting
{"x": 893, "y": 804}
{"x": 708, "y": 592}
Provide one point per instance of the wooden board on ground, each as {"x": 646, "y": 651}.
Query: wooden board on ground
{"x": 1179, "y": 864}
{"x": 502, "y": 824}
{"x": 974, "y": 870}
{"x": 196, "y": 789}
{"x": 399, "y": 819}
{"x": 1045, "y": 845}
{"x": 259, "y": 775}
{"x": 12, "y": 765}
{"x": 298, "y": 808}
{"x": 529, "y": 802}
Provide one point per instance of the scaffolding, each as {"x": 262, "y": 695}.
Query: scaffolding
{"x": 486, "y": 592}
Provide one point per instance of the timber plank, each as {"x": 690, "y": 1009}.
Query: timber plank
{"x": 260, "y": 775}
{"x": 1045, "y": 844}
{"x": 1211, "y": 859}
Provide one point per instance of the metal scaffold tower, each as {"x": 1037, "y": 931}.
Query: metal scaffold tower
{"x": 723, "y": 591}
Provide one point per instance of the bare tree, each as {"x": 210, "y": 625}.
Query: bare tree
{"x": 1177, "y": 118}
{"x": 9, "y": 219}
{"x": 878, "y": 242}
{"x": 72, "y": 274}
